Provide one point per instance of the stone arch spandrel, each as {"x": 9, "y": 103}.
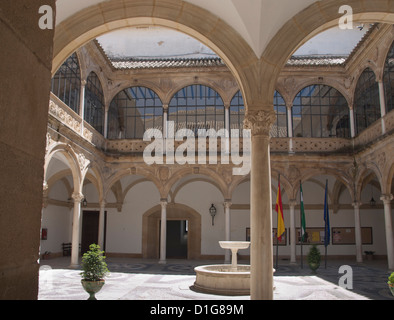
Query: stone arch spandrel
{"x": 72, "y": 160}
{"x": 311, "y": 21}
{"x": 199, "y": 23}
{"x": 189, "y": 171}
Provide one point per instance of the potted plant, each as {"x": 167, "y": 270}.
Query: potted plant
{"x": 314, "y": 258}
{"x": 94, "y": 269}
{"x": 369, "y": 255}
{"x": 391, "y": 283}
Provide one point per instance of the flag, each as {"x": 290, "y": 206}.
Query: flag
{"x": 303, "y": 223}
{"x": 326, "y": 219}
{"x": 279, "y": 210}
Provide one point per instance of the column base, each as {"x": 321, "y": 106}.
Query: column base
{"x": 162, "y": 261}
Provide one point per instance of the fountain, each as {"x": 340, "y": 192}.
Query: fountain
{"x": 225, "y": 279}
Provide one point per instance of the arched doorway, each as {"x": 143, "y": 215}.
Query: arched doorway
{"x": 175, "y": 212}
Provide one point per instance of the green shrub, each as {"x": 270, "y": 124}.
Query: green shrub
{"x": 314, "y": 255}
{"x": 391, "y": 279}
{"x": 94, "y": 267}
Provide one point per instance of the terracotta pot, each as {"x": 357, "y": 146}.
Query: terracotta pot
{"x": 391, "y": 286}
{"x": 92, "y": 287}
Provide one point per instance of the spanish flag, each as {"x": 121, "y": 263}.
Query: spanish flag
{"x": 279, "y": 210}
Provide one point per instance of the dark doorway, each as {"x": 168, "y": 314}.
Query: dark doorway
{"x": 177, "y": 239}
{"x": 90, "y": 229}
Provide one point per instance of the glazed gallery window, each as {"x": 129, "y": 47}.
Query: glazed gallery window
{"x": 133, "y": 111}
{"x": 94, "y": 103}
{"x": 237, "y": 112}
{"x": 196, "y": 107}
{"x": 280, "y": 128}
{"x": 320, "y": 111}
{"x": 366, "y": 101}
{"x": 66, "y": 83}
{"x": 388, "y": 79}
{"x": 237, "y": 115}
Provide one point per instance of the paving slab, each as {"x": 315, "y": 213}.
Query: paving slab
{"x": 137, "y": 279}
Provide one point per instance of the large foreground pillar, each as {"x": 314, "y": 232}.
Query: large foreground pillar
{"x": 25, "y": 66}
{"x": 261, "y": 260}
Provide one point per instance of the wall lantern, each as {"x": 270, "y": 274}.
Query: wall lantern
{"x": 84, "y": 203}
{"x": 372, "y": 202}
{"x": 212, "y": 212}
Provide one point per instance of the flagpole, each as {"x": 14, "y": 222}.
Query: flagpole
{"x": 277, "y": 248}
{"x": 277, "y": 230}
{"x": 301, "y": 237}
{"x": 326, "y": 225}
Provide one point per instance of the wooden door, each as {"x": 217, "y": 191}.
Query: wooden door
{"x": 90, "y": 229}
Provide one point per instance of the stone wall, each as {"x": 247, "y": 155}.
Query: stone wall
{"x": 25, "y": 68}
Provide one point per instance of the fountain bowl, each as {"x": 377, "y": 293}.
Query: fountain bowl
{"x": 238, "y": 245}
{"x": 222, "y": 280}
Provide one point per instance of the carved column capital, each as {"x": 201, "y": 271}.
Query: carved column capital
{"x": 292, "y": 203}
{"x": 356, "y": 204}
{"x": 387, "y": 198}
{"x": 103, "y": 203}
{"x": 78, "y": 197}
{"x": 260, "y": 122}
{"x": 227, "y": 204}
{"x": 163, "y": 203}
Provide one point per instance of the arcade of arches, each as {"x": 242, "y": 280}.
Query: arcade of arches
{"x": 326, "y": 122}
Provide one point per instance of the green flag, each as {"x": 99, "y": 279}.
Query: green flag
{"x": 303, "y": 230}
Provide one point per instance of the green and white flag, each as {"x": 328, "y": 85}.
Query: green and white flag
{"x": 303, "y": 230}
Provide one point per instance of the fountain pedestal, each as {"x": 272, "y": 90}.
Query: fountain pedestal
{"x": 224, "y": 279}
{"x": 234, "y": 246}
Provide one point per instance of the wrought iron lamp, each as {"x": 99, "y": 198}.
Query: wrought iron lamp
{"x": 212, "y": 212}
{"x": 84, "y": 203}
{"x": 372, "y": 202}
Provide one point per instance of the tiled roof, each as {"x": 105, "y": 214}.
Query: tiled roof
{"x": 298, "y": 61}
{"x": 317, "y": 61}
{"x": 167, "y": 63}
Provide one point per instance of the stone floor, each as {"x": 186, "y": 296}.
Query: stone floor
{"x": 133, "y": 279}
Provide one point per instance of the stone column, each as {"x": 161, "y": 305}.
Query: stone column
{"x": 260, "y": 122}
{"x": 290, "y": 127}
{"x": 292, "y": 204}
{"x": 101, "y": 224}
{"x": 357, "y": 225}
{"x": 165, "y": 120}
{"x": 105, "y": 131}
{"x": 227, "y": 223}
{"x": 227, "y": 127}
{"x": 389, "y": 229}
{"x": 163, "y": 231}
{"x": 78, "y": 197}
{"x": 82, "y": 104}
{"x": 382, "y": 105}
{"x": 165, "y": 128}
{"x": 352, "y": 122}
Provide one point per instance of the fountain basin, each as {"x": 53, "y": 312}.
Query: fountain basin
{"x": 222, "y": 280}
{"x": 237, "y": 245}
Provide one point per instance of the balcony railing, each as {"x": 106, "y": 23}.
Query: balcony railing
{"x": 72, "y": 120}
